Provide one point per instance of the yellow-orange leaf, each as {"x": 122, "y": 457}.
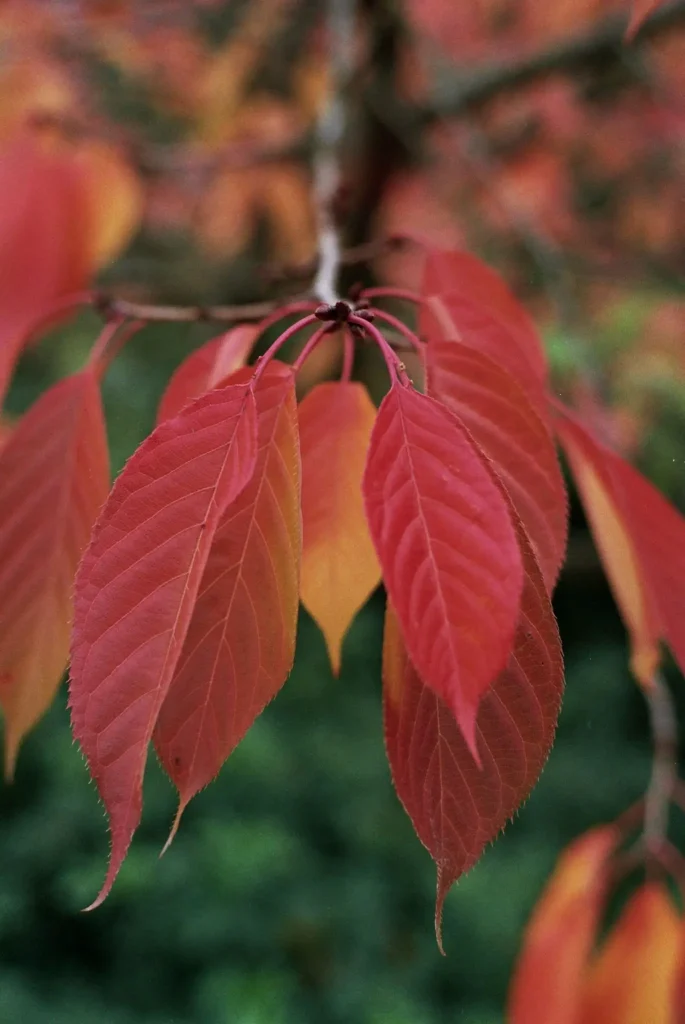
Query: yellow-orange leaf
{"x": 560, "y": 935}
{"x": 616, "y": 545}
{"x": 54, "y": 477}
{"x": 114, "y": 197}
{"x": 339, "y": 564}
{"x": 633, "y": 979}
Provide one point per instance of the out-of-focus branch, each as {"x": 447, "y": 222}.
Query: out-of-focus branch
{"x": 664, "y": 765}
{"x": 329, "y": 135}
{"x": 602, "y": 43}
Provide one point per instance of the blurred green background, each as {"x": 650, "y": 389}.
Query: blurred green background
{"x": 296, "y": 890}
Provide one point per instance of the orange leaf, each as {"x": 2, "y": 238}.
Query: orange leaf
{"x": 558, "y": 941}
{"x": 641, "y": 541}
{"x": 633, "y": 978}
{"x": 114, "y": 198}
{"x": 501, "y": 419}
{"x": 240, "y": 643}
{"x": 206, "y": 368}
{"x": 339, "y": 564}
{"x": 54, "y": 477}
{"x": 455, "y": 806}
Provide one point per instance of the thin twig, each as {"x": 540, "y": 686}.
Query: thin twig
{"x": 329, "y": 135}
{"x": 664, "y": 765}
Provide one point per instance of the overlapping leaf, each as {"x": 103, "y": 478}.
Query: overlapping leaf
{"x": 464, "y": 300}
{"x": 560, "y": 935}
{"x": 448, "y": 550}
{"x": 43, "y": 240}
{"x": 499, "y": 416}
{"x": 206, "y": 368}
{"x": 455, "y": 806}
{"x": 339, "y": 564}
{"x": 633, "y": 979}
{"x": 240, "y": 643}
{"x": 137, "y": 587}
{"x": 641, "y": 541}
{"x": 54, "y": 478}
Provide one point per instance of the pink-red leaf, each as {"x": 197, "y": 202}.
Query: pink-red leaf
{"x": 501, "y": 419}
{"x": 241, "y": 641}
{"x": 455, "y": 806}
{"x": 465, "y": 300}
{"x": 137, "y": 587}
{"x": 641, "y": 10}
{"x": 339, "y": 564}
{"x": 448, "y": 550}
{"x": 206, "y": 368}
{"x": 54, "y": 478}
{"x": 641, "y": 540}
{"x": 547, "y": 981}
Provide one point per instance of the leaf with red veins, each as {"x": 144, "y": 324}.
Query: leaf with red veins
{"x": 456, "y": 806}
{"x": 207, "y": 368}
{"x": 137, "y": 587}
{"x": 445, "y": 540}
{"x": 496, "y": 411}
{"x": 240, "y": 643}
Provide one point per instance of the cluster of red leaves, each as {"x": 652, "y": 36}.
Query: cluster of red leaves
{"x": 637, "y": 974}
{"x": 242, "y": 502}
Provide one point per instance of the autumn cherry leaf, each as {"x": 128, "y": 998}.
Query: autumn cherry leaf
{"x": 548, "y": 977}
{"x": 641, "y": 541}
{"x": 499, "y": 416}
{"x": 54, "y": 478}
{"x": 641, "y": 10}
{"x": 240, "y": 643}
{"x": 339, "y": 564}
{"x": 456, "y": 806}
{"x": 206, "y": 368}
{"x": 137, "y": 587}
{"x": 445, "y": 540}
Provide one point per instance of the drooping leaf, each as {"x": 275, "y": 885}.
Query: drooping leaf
{"x": 137, "y": 586}
{"x": 499, "y": 416}
{"x": 547, "y": 980}
{"x": 43, "y": 243}
{"x": 448, "y": 550}
{"x": 54, "y": 478}
{"x": 465, "y": 300}
{"x": 455, "y": 806}
{"x": 206, "y": 368}
{"x": 339, "y": 564}
{"x": 641, "y": 541}
{"x": 240, "y": 643}
{"x": 633, "y": 979}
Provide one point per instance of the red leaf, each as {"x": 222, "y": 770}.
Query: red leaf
{"x": 339, "y": 564}
{"x": 137, "y": 586}
{"x": 447, "y": 547}
{"x": 241, "y": 641}
{"x": 466, "y": 301}
{"x": 501, "y": 419}
{"x": 457, "y": 808}
{"x": 43, "y": 243}
{"x": 641, "y": 540}
{"x": 206, "y": 368}
{"x": 558, "y": 940}
{"x": 54, "y": 477}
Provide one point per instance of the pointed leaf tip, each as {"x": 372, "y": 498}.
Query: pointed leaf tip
{"x": 445, "y": 540}
{"x": 137, "y": 586}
